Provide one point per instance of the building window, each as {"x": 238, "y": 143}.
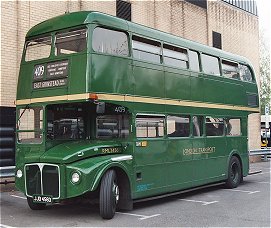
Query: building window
{"x": 123, "y": 10}
{"x": 217, "y": 43}
{"x": 200, "y": 3}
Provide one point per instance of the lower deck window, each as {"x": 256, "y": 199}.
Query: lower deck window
{"x": 233, "y": 126}
{"x": 149, "y": 126}
{"x": 178, "y": 126}
{"x": 197, "y": 125}
{"x": 214, "y": 126}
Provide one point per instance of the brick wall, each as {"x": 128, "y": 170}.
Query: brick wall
{"x": 239, "y": 32}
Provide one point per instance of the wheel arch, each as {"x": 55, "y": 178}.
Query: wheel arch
{"x": 118, "y": 167}
{"x": 124, "y": 182}
{"x": 236, "y": 154}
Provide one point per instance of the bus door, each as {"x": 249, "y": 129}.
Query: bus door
{"x": 149, "y": 155}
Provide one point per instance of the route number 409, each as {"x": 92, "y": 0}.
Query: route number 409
{"x": 120, "y": 109}
{"x": 39, "y": 71}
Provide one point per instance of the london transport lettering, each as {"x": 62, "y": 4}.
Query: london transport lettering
{"x": 200, "y": 150}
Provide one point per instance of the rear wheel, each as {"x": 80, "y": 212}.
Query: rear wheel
{"x": 109, "y": 195}
{"x": 35, "y": 206}
{"x": 234, "y": 173}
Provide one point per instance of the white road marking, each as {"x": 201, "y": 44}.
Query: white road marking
{"x": 137, "y": 215}
{"x": 6, "y": 226}
{"x": 21, "y": 197}
{"x": 244, "y": 191}
{"x": 204, "y": 203}
{"x": 260, "y": 182}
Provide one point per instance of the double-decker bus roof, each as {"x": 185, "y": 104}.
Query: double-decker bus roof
{"x": 86, "y": 17}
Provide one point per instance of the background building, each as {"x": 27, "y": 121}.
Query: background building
{"x": 231, "y": 25}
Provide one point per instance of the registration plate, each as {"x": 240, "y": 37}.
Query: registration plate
{"x": 42, "y": 199}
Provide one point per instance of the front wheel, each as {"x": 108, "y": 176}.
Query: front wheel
{"x": 234, "y": 173}
{"x": 109, "y": 195}
{"x": 35, "y": 206}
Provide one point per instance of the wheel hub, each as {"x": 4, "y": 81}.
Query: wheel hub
{"x": 116, "y": 192}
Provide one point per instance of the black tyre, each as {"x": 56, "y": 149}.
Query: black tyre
{"x": 35, "y": 206}
{"x": 234, "y": 173}
{"x": 109, "y": 195}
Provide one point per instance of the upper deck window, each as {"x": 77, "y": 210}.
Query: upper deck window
{"x": 38, "y": 48}
{"x": 245, "y": 73}
{"x": 145, "y": 49}
{"x": 175, "y": 56}
{"x": 230, "y": 70}
{"x": 110, "y": 42}
{"x": 193, "y": 60}
{"x": 71, "y": 42}
{"x": 210, "y": 64}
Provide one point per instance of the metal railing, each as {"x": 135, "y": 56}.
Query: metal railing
{"x": 264, "y": 152}
{"x": 7, "y": 171}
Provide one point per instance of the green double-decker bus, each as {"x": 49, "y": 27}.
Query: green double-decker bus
{"x": 114, "y": 110}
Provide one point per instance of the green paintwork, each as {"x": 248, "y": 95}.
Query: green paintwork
{"x": 162, "y": 164}
{"x": 72, "y": 151}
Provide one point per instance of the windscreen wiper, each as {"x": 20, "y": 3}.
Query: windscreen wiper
{"x": 26, "y": 107}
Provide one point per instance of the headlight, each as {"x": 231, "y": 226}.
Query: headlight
{"x": 19, "y": 173}
{"x": 75, "y": 178}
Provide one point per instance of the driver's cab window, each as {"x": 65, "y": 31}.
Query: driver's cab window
{"x": 112, "y": 126}
{"x": 65, "y": 121}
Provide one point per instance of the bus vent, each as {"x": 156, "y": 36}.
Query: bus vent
{"x": 252, "y": 100}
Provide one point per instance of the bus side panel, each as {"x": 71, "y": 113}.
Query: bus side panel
{"x": 111, "y": 74}
{"x": 179, "y": 166}
{"x": 213, "y": 89}
{"x": 150, "y": 168}
{"x": 149, "y": 79}
{"x": 175, "y": 80}
{"x": 238, "y": 144}
{"x": 77, "y": 74}
{"x": 215, "y": 157}
{"x": 197, "y": 91}
{"x": 234, "y": 93}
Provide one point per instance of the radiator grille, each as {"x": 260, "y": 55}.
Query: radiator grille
{"x": 42, "y": 179}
